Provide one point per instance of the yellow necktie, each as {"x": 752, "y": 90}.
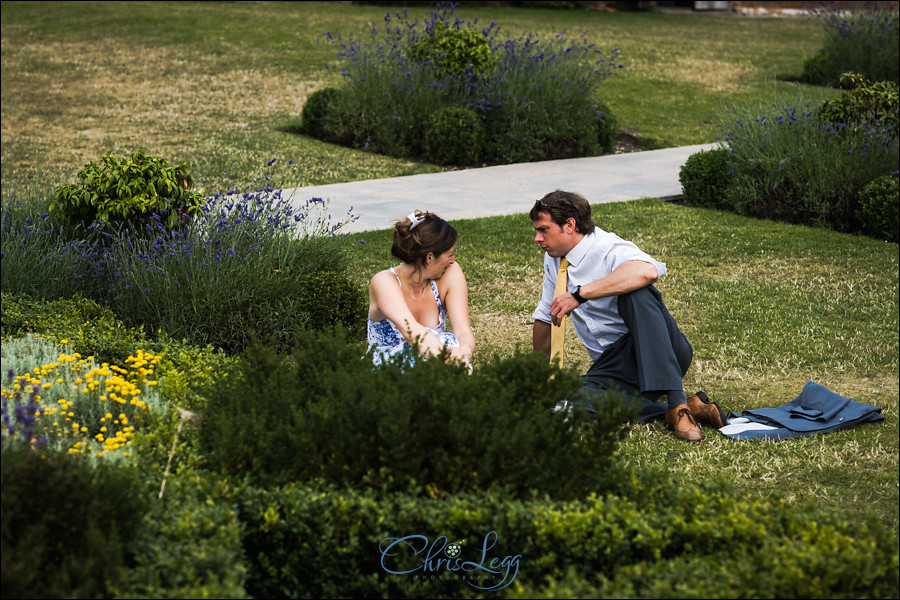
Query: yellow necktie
{"x": 558, "y": 333}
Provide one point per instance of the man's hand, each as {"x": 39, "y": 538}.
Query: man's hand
{"x": 629, "y": 276}
{"x": 561, "y": 306}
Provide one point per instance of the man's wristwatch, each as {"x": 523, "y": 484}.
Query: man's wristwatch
{"x": 578, "y": 296}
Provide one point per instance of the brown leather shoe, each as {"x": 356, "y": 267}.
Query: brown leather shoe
{"x": 708, "y": 413}
{"x": 682, "y": 421}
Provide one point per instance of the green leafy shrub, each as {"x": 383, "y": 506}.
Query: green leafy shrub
{"x": 453, "y": 136}
{"x": 453, "y": 51}
{"x": 67, "y": 526}
{"x": 317, "y": 112}
{"x": 878, "y": 210}
{"x": 326, "y": 412}
{"x": 186, "y": 370}
{"x": 704, "y": 177}
{"x": 123, "y": 189}
{"x": 304, "y": 540}
{"x": 864, "y": 42}
{"x": 82, "y": 325}
{"x": 865, "y": 103}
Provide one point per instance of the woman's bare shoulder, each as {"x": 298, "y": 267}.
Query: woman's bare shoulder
{"x": 381, "y": 277}
{"x": 452, "y": 278}
{"x": 454, "y": 273}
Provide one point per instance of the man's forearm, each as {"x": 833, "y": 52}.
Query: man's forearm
{"x": 627, "y": 277}
{"x": 540, "y": 337}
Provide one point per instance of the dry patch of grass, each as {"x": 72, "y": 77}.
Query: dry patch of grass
{"x": 731, "y": 77}
{"x": 89, "y": 99}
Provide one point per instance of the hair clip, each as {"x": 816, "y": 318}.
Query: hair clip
{"x": 415, "y": 218}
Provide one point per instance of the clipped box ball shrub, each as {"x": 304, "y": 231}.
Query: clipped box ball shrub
{"x": 67, "y": 525}
{"x": 317, "y": 112}
{"x": 704, "y": 177}
{"x": 324, "y": 412}
{"x": 121, "y": 189}
{"x": 607, "y": 126}
{"x": 878, "y": 211}
{"x": 453, "y": 136}
{"x": 188, "y": 544}
{"x": 330, "y": 299}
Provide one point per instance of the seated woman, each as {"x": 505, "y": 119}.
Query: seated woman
{"x": 412, "y": 301}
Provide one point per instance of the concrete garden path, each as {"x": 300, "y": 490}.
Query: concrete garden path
{"x": 502, "y": 190}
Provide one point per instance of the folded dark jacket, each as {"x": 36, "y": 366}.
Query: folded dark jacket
{"x": 816, "y": 410}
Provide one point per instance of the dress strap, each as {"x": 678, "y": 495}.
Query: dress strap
{"x": 437, "y": 295}
{"x": 391, "y": 269}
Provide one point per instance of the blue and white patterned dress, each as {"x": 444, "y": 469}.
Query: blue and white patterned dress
{"x": 389, "y": 344}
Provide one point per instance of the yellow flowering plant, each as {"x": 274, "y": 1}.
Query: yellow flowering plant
{"x": 85, "y": 408}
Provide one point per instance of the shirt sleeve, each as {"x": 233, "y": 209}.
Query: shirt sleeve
{"x": 542, "y": 312}
{"x": 623, "y": 251}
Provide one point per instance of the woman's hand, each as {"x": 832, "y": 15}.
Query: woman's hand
{"x": 458, "y": 354}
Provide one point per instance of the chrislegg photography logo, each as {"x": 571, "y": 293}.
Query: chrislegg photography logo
{"x": 475, "y": 564}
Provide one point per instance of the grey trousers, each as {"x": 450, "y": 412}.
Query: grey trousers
{"x": 645, "y": 363}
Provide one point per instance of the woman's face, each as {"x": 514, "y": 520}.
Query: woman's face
{"x": 442, "y": 262}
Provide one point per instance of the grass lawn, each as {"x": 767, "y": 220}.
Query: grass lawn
{"x": 766, "y": 306}
{"x": 220, "y": 86}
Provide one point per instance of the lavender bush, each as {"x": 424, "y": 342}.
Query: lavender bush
{"x": 866, "y": 42}
{"x": 538, "y": 98}
{"x": 46, "y": 257}
{"x": 789, "y": 163}
{"x": 234, "y": 273}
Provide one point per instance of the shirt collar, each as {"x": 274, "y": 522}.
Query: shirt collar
{"x": 580, "y": 250}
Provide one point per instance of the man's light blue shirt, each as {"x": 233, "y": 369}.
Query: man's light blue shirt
{"x": 597, "y": 322}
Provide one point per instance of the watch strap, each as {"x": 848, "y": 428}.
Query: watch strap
{"x": 576, "y": 294}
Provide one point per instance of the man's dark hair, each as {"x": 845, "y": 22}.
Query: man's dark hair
{"x": 561, "y": 206}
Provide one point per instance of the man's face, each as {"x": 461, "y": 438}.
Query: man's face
{"x": 555, "y": 240}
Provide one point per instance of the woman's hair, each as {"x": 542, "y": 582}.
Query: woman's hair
{"x": 421, "y": 233}
{"x": 561, "y": 206}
